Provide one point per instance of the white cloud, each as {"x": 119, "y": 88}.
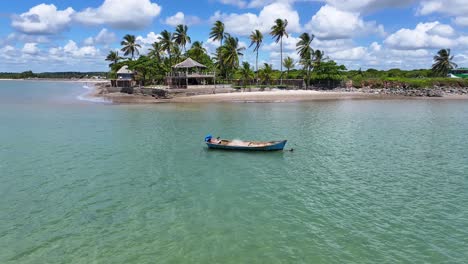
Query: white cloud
{"x": 104, "y": 37}
{"x": 30, "y": 49}
{"x": 122, "y": 14}
{"x": 71, "y": 48}
{"x": 43, "y": 19}
{"x": 238, "y": 3}
{"x": 365, "y": 6}
{"x": 455, "y": 8}
{"x": 181, "y": 18}
{"x": 332, "y": 23}
{"x": 425, "y": 35}
{"x": 244, "y": 24}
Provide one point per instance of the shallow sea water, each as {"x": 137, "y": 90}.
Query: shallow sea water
{"x": 369, "y": 181}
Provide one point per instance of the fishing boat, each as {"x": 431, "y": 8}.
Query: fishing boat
{"x": 244, "y": 145}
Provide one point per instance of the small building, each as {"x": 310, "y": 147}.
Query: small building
{"x": 459, "y": 73}
{"x": 125, "y": 78}
{"x": 189, "y": 72}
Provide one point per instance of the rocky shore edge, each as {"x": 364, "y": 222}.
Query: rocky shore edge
{"x": 162, "y": 95}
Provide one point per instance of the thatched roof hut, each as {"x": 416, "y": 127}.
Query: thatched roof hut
{"x": 188, "y": 63}
{"x": 125, "y": 70}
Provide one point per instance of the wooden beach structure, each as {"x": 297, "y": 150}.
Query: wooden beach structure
{"x": 189, "y": 72}
{"x": 125, "y": 78}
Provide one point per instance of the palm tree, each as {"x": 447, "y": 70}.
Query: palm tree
{"x": 176, "y": 54}
{"x": 197, "y": 50}
{"x": 318, "y": 58}
{"x": 288, "y": 63}
{"x": 278, "y": 31}
{"x": 307, "y": 62}
{"x": 303, "y": 47}
{"x": 113, "y": 57}
{"x": 156, "y": 51}
{"x": 129, "y": 45}
{"x": 217, "y": 32}
{"x": 246, "y": 73}
{"x": 166, "y": 44}
{"x": 256, "y": 38}
{"x": 443, "y": 63}
{"x": 230, "y": 52}
{"x": 181, "y": 37}
{"x": 266, "y": 73}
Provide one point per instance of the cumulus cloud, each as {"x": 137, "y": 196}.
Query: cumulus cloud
{"x": 455, "y": 8}
{"x": 104, "y": 37}
{"x": 121, "y": 14}
{"x": 332, "y": 23}
{"x": 425, "y": 35}
{"x": 240, "y": 4}
{"x": 365, "y": 6}
{"x": 43, "y": 19}
{"x": 181, "y": 18}
{"x": 244, "y": 24}
{"x": 30, "y": 49}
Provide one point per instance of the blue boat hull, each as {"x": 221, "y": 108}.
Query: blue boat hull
{"x": 276, "y": 145}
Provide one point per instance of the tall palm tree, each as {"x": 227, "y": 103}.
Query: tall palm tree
{"x": 166, "y": 44}
{"x": 113, "y": 57}
{"x": 246, "y": 73}
{"x": 156, "y": 51}
{"x": 443, "y": 63}
{"x": 181, "y": 37}
{"x": 288, "y": 63}
{"x": 303, "y": 47}
{"x": 256, "y": 38}
{"x": 230, "y": 52}
{"x": 278, "y": 31}
{"x": 130, "y": 46}
{"x": 217, "y": 34}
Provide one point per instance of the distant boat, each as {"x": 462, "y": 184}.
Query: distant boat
{"x": 244, "y": 145}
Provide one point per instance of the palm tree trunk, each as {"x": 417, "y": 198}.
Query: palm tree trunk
{"x": 281, "y": 61}
{"x": 256, "y": 63}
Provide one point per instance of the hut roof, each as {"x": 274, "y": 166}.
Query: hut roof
{"x": 189, "y": 63}
{"x": 124, "y": 70}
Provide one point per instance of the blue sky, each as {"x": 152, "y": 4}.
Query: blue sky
{"x": 71, "y": 35}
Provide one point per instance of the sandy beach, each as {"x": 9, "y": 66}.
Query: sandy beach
{"x": 275, "y": 96}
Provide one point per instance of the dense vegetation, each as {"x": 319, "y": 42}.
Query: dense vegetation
{"x": 52, "y": 75}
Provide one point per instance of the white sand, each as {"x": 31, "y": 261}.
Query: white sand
{"x": 274, "y": 96}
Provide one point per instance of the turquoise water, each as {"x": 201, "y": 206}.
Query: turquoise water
{"x": 368, "y": 182}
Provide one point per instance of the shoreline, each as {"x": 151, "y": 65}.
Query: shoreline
{"x": 273, "y": 96}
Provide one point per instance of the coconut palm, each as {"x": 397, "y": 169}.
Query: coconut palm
{"x": 319, "y": 56}
{"x": 176, "y": 54}
{"x": 443, "y": 63}
{"x": 303, "y": 47}
{"x": 156, "y": 51}
{"x": 197, "y": 50}
{"x": 256, "y": 38}
{"x": 288, "y": 63}
{"x": 130, "y": 46}
{"x": 230, "y": 52}
{"x": 246, "y": 73}
{"x": 181, "y": 37}
{"x": 113, "y": 57}
{"x": 266, "y": 73}
{"x": 217, "y": 32}
{"x": 278, "y": 31}
{"x": 166, "y": 43}
{"x": 307, "y": 62}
